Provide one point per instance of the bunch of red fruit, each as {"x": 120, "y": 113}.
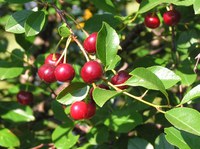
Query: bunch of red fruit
{"x": 170, "y": 18}
{"x": 55, "y": 70}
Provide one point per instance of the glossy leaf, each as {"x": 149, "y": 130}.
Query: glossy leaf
{"x": 138, "y": 143}
{"x": 12, "y": 72}
{"x": 59, "y": 112}
{"x": 183, "y": 2}
{"x": 161, "y": 143}
{"x": 181, "y": 139}
{"x": 186, "y": 119}
{"x": 196, "y": 6}
{"x": 64, "y": 31}
{"x": 123, "y": 120}
{"x": 8, "y": 139}
{"x": 35, "y": 23}
{"x": 63, "y": 137}
{"x": 145, "y": 78}
{"x": 114, "y": 62}
{"x": 101, "y": 96}
{"x": 106, "y": 5}
{"x": 16, "y": 21}
{"x": 74, "y": 92}
{"x": 12, "y": 111}
{"x": 168, "y": 77}
{"x": 107, "y": 44}
{"x": 98, "y": 19}
{"x": 192, "y": 94}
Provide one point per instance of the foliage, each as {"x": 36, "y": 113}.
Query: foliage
{"x": 160, "y": 107}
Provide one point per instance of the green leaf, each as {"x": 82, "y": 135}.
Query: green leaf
{"x": 59, "y": 113}
{"x": 114, "y": 62}
{"x": 138, "y": 143}
{"x": 74, "y": 92}
{"x": 196, "y": 6}
{"x": 168, "y": 77}
{"x": 183, "y": 2}
{"x": 98, "y": 135}
{"x": 8, "y": 139}
{"x": 7, "y": 73}
{"x": 35, "y": 23}
{"x": 192, "y": 94}
{"x": 16, "y": 21}
{"x": 106, "y": 5}
{"x": 64, "y": 31}
{"x": 186, "y": 119}
{"x": 98, "y": 19}
{"x": 123, "y": 120}
{"x": 18, "y": 1}
{"x": 14, "y": 112}
{"x": 63, "y": 137}
{"x": 150, "y": 4}
{"x": 145, "y": 78}
{"x": 102, "y": 95}
{"x": 186, "y": 73}
{"x": 181, "y": 139}
{"x": 107, "y": 44}
{"x": 161, "y": 142}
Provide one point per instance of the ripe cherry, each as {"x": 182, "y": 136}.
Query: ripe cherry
{"x": 171, "y": 17}
{"x": 91, "y": 110}
{"x": 25, "y": 97}
{"x": 152, "y": 21}
{"x": 64, "y": 72}
{"x": 46, "y": 73}
{"x": 53, "y": 58}
{"x": 120, "y": 78}
{"x": 89, "y": 43}
{"x": 78, "y": 110}
{"x": 100, "y": 86}
{"x": 91, "y": 72}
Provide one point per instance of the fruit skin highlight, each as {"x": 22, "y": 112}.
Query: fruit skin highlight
{"x": 53, "y": 58}
{"x": 91, "y": 72}
{"x": 89, "y": 43}
{"x": 152, "y": 21}
{"x": 171, "y": 17}
{"x": 64, "y": 72}
{"x": 121, "y": 77}
{"x": 46, "y": 73}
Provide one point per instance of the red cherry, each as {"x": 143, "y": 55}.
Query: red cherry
{"x": 91, "y": 110}
{"x": 46, "y": 73}
{"x": 53, "y": 58}
{"x": 78, "y": 110}
{"x": 120, "y": 78}
{"x": 100, "y": 86}
{"x": 25, "y": 97}
{"x": 152, "y": 21}
{"x": 91, "y": 72}
{"x": 89, "y": 43}
{"x": 64, "y": 72}
{"x": 171, "y": 17}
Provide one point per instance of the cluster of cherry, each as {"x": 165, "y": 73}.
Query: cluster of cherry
{"x": 55, "y": 69}
{"x": 170, "y": 18}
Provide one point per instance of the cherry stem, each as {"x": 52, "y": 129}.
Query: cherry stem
{"x": 65, "y": 51}
{"x": 61, "y": 39}
{"x": 81, "y": 48}
{"x": 140, "y": 98}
